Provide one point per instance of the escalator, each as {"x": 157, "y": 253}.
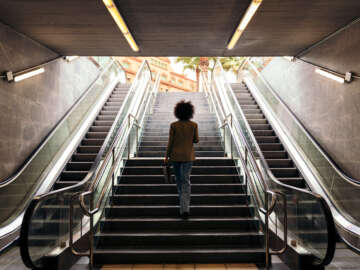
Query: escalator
{"x": 300, "y": 223}
{"x": 294, "y": 159}
{"x": 52, "y": 165}
{"x": 320, "y": 172}
{"x": 39, "y": 171}
{"x": 45, "y": 238}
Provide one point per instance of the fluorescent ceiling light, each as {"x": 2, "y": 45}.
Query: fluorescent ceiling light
{"x": 250, "y": 12}
{"x": 121, "y": 24}
{"x": 29, "y": 74}
{"x": 70, "y": 58}
{"x": 289, "y": 58}
{"x": 330, "y": 75}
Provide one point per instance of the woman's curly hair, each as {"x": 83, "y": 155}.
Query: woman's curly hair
{"x": 184, "y": 110}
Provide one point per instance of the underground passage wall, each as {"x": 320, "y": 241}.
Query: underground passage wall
{"x": 330, "y": 111}
{"x": 30, "y": 109}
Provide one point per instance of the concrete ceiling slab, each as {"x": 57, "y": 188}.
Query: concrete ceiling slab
{"x": 177, "y": 28}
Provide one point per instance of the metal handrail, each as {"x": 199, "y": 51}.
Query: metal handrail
{"x": 349, "y": 179}
{"x": 265, "y": 209}
{"x": 132, "y": 121}
{"x": 269, "y": 175}
{"x": 38, "y": 199}
{"x": 31, "y": 157}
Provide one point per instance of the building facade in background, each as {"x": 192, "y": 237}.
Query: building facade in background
{"x": 170, "y": 81}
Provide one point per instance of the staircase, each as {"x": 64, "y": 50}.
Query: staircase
{"x": 142, "y": 223}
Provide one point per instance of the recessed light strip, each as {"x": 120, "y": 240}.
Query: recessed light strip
{"x": 110, "y": 5}
{"x": 250, "y": 12}
{"x": 29, "y": 74}
{"x": 330, "y": 75}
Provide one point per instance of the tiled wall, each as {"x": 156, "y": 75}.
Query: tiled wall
{"x": 329, "y": 110}
{"x": 30, "y": 109}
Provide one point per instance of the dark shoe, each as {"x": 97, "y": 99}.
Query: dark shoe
{"x": 185, "y": 215}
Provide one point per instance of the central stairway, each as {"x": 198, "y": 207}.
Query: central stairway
{"x": 141, "y": 223}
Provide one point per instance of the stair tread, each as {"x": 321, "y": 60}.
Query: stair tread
{"x": 170, "y": 185}
{"x": 176, "y": 206}
{"x": 180, "y": 219}
{"x": 177, "y": 249}
{"x": 185, "y": 233}
{"x": 176, "y": 195}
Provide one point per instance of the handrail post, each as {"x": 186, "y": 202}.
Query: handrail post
{"x": 246, "y": 163}
{"x": 128, "y": 141}
{"x": 283, "y": 249}
{"x": 231, "y": 142}
{"x": 267, "y": 237}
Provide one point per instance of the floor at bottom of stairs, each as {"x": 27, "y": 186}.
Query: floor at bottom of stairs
{"x": 277, "y": 265}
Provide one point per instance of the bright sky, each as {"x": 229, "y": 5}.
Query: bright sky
{"x": 178, "y": 67}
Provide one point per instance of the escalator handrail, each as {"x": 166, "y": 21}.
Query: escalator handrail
{"x": 331, "y": 236}
{"x": 10, "y": 179}
{"x": 125, "y": 124}
{"x": 24, "y": 233}
{"x": 117, "y": 137}
{"x": 319, "y": 148}
{"x": 224, "y": 120}
{"x": 353, "y": 181}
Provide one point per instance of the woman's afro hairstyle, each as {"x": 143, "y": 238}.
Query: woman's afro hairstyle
{"x": 184, "y": 110}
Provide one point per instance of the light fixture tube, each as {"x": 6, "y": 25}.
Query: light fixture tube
{"x": 71, "y": 58}
{"x": 289, "y": 58}
{"x": 110, "y": 5}
{"x": 330, "y": 75}
{"x": 29, "y": 74}
{"x": 250, "y": 12}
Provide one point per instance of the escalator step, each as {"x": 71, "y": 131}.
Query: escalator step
{"x": 106, "y": 117}
{"x": 79, "y": 166}
{"x": 88, "y": 149}
{"x": 275, "y": 154}
{"x": 92, "y": 141}
{"x": 103, "y": 123}
{"x": 96, "y": 135}
{"x": 83, "y": 157}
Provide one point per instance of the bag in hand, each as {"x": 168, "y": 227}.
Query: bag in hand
{"x": 167, "y": 174}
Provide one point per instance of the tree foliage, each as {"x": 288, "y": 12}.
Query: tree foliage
{"x": 229, "y": 63}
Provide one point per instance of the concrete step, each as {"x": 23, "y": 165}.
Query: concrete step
{"x": 173, "y": 199}
{"x": 170, "y": 238}
{"x": 176, "y": 224}
{"x": 197, "y": 154}
{"x": 197, "y": 162}
{"x": 219, "y": 188}
{"x": 133, "y": 177}
{"x": 179, "y": 255}
{"x": 173, "y": 211}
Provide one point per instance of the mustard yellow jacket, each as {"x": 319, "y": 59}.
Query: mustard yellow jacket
{"x": 182, "y": 135}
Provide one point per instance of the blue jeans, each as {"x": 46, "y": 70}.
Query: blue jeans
{"x": 182, "y": 172}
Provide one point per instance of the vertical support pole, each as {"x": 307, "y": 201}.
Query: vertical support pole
{"x": 246, "y": 162}
{"x": 113, "y": 174}
{"x": 91, "y": 233}
{"x": 137, "y": 137}
{"x": 224, "y": 141}
{"x": 128, "y": 142}
{"x": 267, "y": 237}
{"x": 231, "y": 141}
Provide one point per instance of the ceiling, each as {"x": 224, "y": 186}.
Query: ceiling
{"x": 177, "y": 28}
